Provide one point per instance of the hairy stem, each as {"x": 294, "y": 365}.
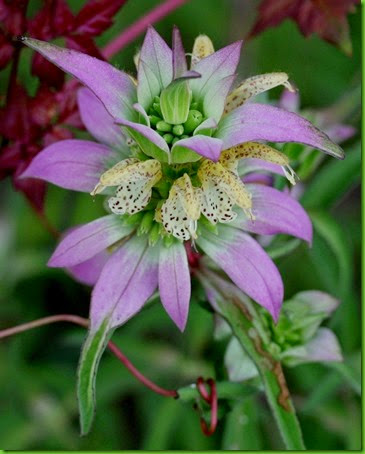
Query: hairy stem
{"x": 136, "y": 29}
{"x": 112, "y": 347}
{"x": 271, "y": 372}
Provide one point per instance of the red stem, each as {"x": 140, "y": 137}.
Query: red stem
{"x": 212, "y": 399}
{"x": 148, "y": 383}
{"x": 202, "y": 389}
{"x": 112, "y": 347}
{"x": 136, "y": 29}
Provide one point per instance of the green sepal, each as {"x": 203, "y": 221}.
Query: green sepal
{"x": 92, "y": 351}
{"x": 175, "y": 102}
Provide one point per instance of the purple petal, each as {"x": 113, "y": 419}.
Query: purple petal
{"x": 290, "y": 100}
{"x": 88, "y": 272}
{"x": 323, "y": 347}
{"x": 259, "y": 178}
{"x": 215, "y": 97}
{"x": 98, "y": 121}
{"x": 319, "y": 302}
{"x": 339, "y": 133}
{"x": 251, "y": 122}
{"x": 250, "y": 165}
{"x": 126, "y": 282}
{"x": 247, "y": 264}
{"x": 215, "y": 67}
{"x": 178, "y": 54}
{"x": 174, "y": 283}
{"x": 113, "y": 87}
{"x": 276, "y": 212}
{"x": 71, "y": 164}
{"x": 88, "y": 240}
{"x": 150, "y": 142}
{"x": 208, "y": 147}
{"x": 154, "y": 68}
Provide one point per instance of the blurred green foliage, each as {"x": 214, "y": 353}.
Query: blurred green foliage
{"x": 37, "y": 375}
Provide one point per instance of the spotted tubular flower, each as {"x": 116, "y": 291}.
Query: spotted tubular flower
{"x": 171, "y": 169}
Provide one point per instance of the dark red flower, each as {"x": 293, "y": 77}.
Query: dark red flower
{"x": 327, "y": 18}
{"x": 28, "y": 124}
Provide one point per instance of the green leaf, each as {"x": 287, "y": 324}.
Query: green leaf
{"x": 175, "y": 102}
{"x": 333, "y": 234}
{"x": 93, "y": 348}
{"x": 333, "y": 180}
{"x": 242, "y": 430}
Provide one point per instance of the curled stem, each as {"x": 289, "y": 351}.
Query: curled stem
{"x": 212, "y": 400}
{"x": 112, "y": 347}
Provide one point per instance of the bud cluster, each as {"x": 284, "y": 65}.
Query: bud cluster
{"x": 174, "y": 132}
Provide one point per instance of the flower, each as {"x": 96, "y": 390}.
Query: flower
{"x": 29, "y": 123}
{"x": 175, "y": 178}
{"x": 171, "y": 171}
{"x": 327, "y": 18}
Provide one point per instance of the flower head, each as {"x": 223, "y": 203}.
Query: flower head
{"x": 171, "y": 141}
{"x": 168, "y": 159}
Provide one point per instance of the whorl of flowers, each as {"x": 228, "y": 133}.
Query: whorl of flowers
{"x": 172, "y": 174}
{"x": 170, "y": 144}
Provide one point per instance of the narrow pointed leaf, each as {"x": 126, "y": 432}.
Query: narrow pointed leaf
{"x": 93, "y": 348}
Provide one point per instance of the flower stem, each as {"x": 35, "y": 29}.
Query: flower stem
{"x": 276, "y": 390}
{"x": 136, "y": 29}
{"x": 112, "y": 347}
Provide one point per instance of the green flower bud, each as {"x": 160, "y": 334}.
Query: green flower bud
{"x": 168, "y": 138}
{"x": 178, "y": 130}
{"x": 194, "y": 106}
{"x": 146, "y": 223}
{"x": 154, "y": 120}
{"x": 176, "y": 139}
{"x": 193, "y": 121}
{"x": 184, "y": 136}
{"x": 163, "y": 126}
{"x": 156, "y": 99}
{"x": 154, "y": 234}
{"x": 157, "y": 108}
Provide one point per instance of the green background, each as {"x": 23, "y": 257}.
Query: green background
{"x": 38, "y": 407}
